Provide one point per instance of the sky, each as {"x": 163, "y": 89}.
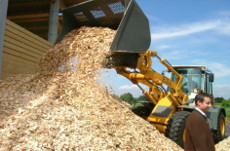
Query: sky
{"x": 191, "y": 32}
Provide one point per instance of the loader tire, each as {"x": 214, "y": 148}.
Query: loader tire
{"x": 175, "y": 127}
{"x": 219, "y": 134}
{"x": 141, "y": 111}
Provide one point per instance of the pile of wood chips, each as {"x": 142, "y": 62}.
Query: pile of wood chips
{"x": 66, "y": 107}
{"x": 223, "y": 145}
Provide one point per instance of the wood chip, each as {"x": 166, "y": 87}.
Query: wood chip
{"x": 64, "y": 106}
{"x": 223, "y": 145}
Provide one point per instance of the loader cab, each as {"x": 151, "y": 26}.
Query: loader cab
{"x": 195, "y": 79}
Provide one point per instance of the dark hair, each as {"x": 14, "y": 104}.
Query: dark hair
{"x": 200, "y": 97}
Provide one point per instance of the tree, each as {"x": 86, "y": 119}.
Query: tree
{"x": 142, "y": 98}
{"x": 128, "y": 97}
{"x": 226, "y": 103}
{"x": 219, "y": 99}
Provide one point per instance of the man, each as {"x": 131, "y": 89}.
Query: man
{"x": 190, "y": 85}
{"x": 198, "y": 135}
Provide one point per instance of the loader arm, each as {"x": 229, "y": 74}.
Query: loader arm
{"x": 155, "y": 80}
{"x": 165, "y": 103}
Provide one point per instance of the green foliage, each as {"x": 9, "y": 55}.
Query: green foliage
{"x": 142, "y": 98}
{"x": 128, "y": 97}
{"x": 219, "y": 99}
{"x": 228, "y": 114}
{"x": 226, "y": 104}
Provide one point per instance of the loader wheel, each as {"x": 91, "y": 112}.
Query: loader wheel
{"x": 219, "y": 134}
{"x": 141, "y": 111}
{"x": 175, "y": 127}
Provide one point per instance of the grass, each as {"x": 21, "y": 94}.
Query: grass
{"x": 227, "y": 112}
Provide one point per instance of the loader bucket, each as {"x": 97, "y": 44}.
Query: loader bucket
{"x": 125, "y": 16}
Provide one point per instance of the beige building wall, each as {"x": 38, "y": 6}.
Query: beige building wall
{"x": 21, "y": 51}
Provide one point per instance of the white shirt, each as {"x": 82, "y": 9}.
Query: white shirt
{"x": 201, "y": 112}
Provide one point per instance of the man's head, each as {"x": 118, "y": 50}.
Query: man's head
{"x": 203, "y": 101}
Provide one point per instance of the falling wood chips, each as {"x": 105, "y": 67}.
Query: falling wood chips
{"x": 66, "y": 107}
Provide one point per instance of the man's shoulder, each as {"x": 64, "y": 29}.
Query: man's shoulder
{"x": 195, "y": 115}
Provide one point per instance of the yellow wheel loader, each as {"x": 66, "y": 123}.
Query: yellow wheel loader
{"x": 171, "y": 100}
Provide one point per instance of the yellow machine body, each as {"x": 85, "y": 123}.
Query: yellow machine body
{"x": 166, "y": 103}
{"x": 161, "y": 113}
